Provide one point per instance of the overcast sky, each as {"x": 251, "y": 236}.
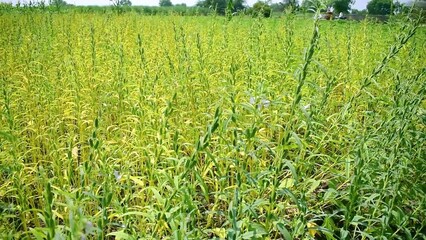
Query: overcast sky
{"x": 359, "y": 4}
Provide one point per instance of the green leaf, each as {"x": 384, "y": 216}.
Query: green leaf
{"x": 39, "y": 233}
{"x": 283, "y": 230}
{"x": 9, "y": 137}
{"x": 120, "y": 235}
{"x": 248, "y": 235}
{"x": 315, "y": 184}
{"x": 286, "y": 183}
{"x": 343, "y": 233}
{"x": 293, "y": 171}
{"x": 297, "y": 139}
{"x": 157, "y": 195}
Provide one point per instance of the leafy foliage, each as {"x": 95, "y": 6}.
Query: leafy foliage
{"x": 120, "y": 3}
{"x": 165, "y": 3}
{"x": 380, "y": 7}
{"x": 290, "y": 5}
{"x": 342, "y": 5}
{"x": 261, "y": 8}
{"x": 58, "y": 4}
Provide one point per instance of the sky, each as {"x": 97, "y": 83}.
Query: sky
{"x": 359, "y": 4}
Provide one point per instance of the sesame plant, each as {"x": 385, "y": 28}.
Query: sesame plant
{"x": 121, "y": 126}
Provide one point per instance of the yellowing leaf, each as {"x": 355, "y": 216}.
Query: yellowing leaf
{"x": 220, "y": 232}
{"x": 313, "y": 229}
{"x": 208, "y": 169}
{"x": 75, "y": 152}
{"x": 58, "y": 215}
{"x": 286, "y": 183}
{"x": 137, "y": 181}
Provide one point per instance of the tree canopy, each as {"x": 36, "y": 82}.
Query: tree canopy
{"x": 119, "y": 3}
{"x": 261, "y": 8}
{"x": 342, "y": 5}
{"x": 57, "y": 2}
{"x": 417, "y": 3}
{"x": 165, "y": 3}
{"x": 291, "y": 5}
{"x": 380, "y": 7}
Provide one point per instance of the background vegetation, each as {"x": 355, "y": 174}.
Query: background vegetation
{"x": 127, "y": 126}
{"x": 232, "y": 7}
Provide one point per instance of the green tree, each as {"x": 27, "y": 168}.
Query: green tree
{"x": 277, "y": 7}
{"x": 238, "y": 5}
{"x": 121, "y": 3}
{"x": 58, "y": 4}
{"x": 380, "y": 7}
{"x": 126, "y": 3}
{"x": 166, "y": 3}
{"x": 359, "y": 12}
{"x": 417, "y": 3}
{"x": 291, "y": 5}
{"x": 218, "y": 5}
{"x": 342, "y": 5}
{"x": 261, "y": 8}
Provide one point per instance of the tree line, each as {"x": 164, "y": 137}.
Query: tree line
{"x": 379, "y": 7}
{"x": 223, "y": 7}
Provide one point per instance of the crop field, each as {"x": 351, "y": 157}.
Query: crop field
{"x": 172, "y": 127}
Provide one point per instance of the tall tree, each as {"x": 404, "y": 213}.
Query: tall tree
{"x": 291, "y": 5}
{"x": 218, "y": 5}
{"x": 58, "y": 4}
{"x": 120, "y": 3}
{"x": 261, "y": 8}
{"x": 238, "y": 5}
{"x": 417, "y": 3}
{"x": 381, "y": 7}
{"x": 126, "y": 3}
{"x": 342, "y": 5}
{"x": 166, "y": 3}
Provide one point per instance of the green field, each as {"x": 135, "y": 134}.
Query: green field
{"x": 170, "y": 127}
